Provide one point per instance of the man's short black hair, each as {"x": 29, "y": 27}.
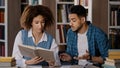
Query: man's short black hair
{"x": 79, "y": 10}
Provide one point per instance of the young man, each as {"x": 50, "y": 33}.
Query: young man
{"x": 85, "y": 42}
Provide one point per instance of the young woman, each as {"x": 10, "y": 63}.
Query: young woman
{"x": 34, "y": 21}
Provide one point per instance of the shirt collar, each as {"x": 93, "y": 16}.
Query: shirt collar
{"x": 44, "y": 36}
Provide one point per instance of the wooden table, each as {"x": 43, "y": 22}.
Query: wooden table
{"x": 64, "y": 66}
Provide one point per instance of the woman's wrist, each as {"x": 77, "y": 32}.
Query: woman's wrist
{"x": 27, "y": 62}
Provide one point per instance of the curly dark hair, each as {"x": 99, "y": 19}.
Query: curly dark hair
{"x": 32, "y": 11}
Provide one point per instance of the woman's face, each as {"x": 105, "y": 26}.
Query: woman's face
{"x": 38, "y": 24}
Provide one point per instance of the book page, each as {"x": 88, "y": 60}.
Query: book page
{"x": 46, "y": 54}
{"x": 27, "y": 51}
{"x": 42, "y": 48}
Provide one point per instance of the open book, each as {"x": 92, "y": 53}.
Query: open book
{"x": 31, "y": 52}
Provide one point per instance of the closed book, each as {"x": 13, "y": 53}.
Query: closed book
{"x": 114, "y": 52}
{"x": 7, "y": 64}
{"x": 7, "y": 59}
{"x": 114, "y": 57}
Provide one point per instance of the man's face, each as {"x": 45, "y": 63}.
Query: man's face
{"x": 76, "y": 22}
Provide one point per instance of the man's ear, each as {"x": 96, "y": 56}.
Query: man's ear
{"x": 82, "y": 19}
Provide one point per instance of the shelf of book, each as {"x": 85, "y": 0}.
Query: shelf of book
{"x": 3, "y": 28}
{"x": 62, "y": 21}
{"x": 114, "y": 23}
{"x": 114, "y": 27}
{"x": 24, "y": 3}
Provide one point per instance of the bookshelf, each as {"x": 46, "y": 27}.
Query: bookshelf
{"x": 114, "y": 23}
{"x": 8, "y": 25}
{"x": 3, "y": 27}
{"x": 62, "y": 21}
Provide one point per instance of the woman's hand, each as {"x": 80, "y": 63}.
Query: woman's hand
{"x": 51, "y": 63}
{"x": 34, "y": 60}
{"x": 65, "y": 57}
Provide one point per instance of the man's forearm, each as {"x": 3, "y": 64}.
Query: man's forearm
{"x": 97, "y": 59}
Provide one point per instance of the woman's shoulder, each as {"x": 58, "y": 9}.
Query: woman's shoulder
{"x": 21, "y": 32}
{"x": 48, "y": 34}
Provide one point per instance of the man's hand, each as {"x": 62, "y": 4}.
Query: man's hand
{"x": 65, "y": 57}
{"x": 85, "y": 56}
{"x": 34, "y": 60}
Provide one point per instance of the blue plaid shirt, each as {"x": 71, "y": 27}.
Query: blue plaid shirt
{"x": 98, "y": 44}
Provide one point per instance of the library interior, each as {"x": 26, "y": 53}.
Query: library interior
{"x": 103, "y": 14}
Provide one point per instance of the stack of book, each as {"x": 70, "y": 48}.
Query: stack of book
{"x": 114, "y": 54}
{"x": 7, "y": 62}
{"x": 112, "y": 63}
{"x": 113, "y": 60}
